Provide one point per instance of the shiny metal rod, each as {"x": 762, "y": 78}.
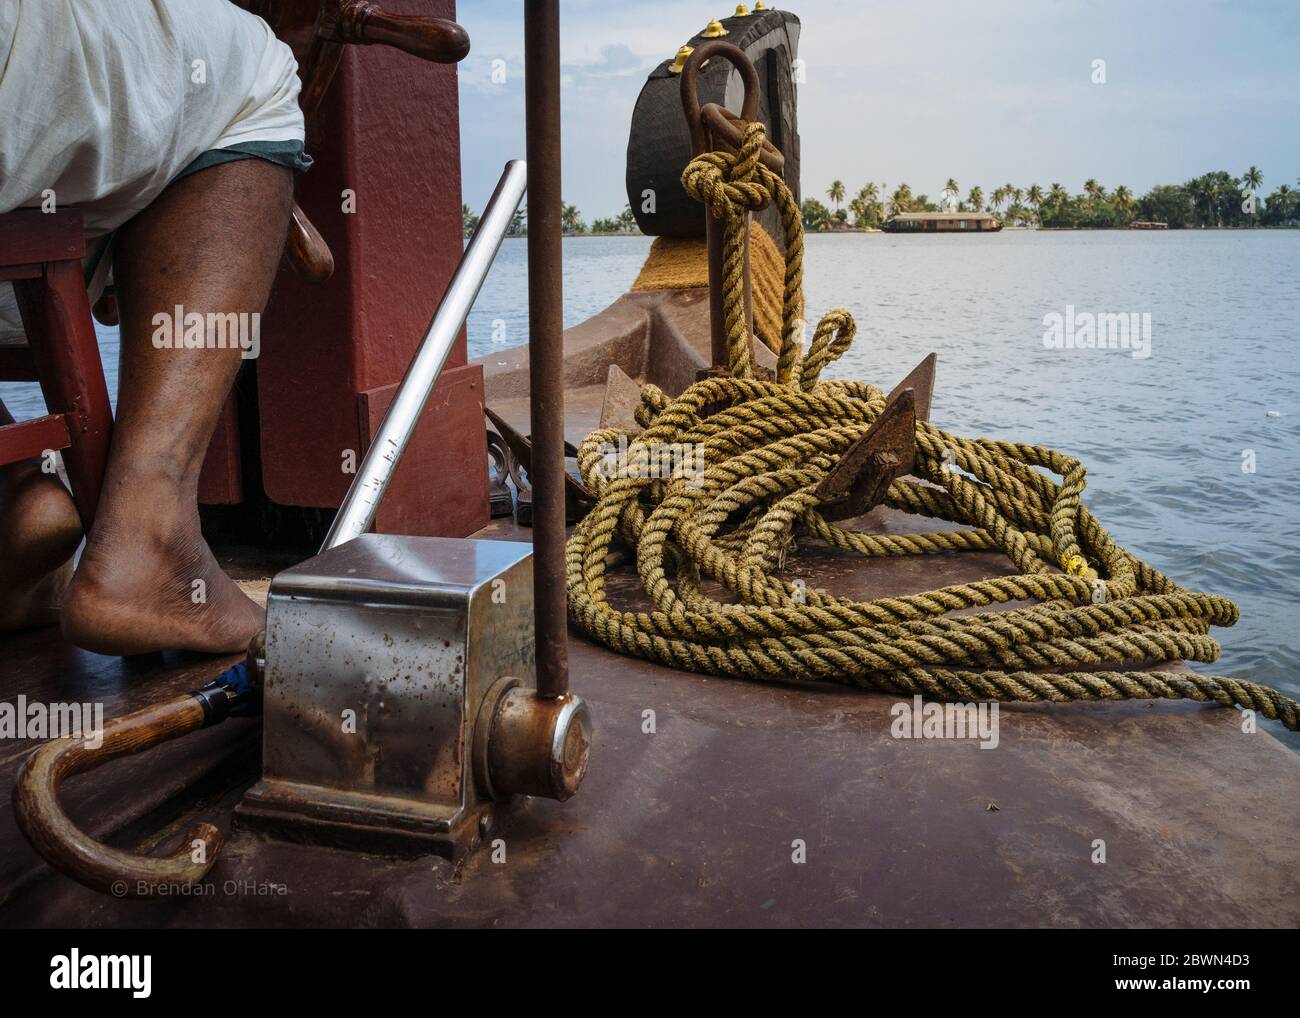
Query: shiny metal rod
{"x": 357, "y": 512}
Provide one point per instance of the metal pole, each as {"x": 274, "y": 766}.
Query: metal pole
{"x": 713, "y": 234}
{"x": 717, "y": 318}
{"x": 357, "y": 512}
{"x": 546, "y": 341}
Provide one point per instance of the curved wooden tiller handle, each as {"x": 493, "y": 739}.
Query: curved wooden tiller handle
{"x": 358, "y": 22}
{"x": 72, "y": 851}
{"x": 364, "y": 23}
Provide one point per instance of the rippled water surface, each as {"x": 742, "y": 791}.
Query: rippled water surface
{"x": 1163, "y": 437}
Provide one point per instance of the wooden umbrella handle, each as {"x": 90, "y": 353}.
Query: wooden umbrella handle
{"x": 306, "y": 249}
{"x": 69, "y": 849}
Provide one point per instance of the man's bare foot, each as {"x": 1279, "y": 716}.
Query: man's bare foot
{"x": 147, "y": 581}
{"x": 39, "y": 531}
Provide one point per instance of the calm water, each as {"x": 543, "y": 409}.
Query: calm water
{"x": 1163, "y": 437}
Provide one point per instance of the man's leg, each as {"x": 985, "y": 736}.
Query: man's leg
{"x": 39, "y": 531}
{"x": 147, "y": 580}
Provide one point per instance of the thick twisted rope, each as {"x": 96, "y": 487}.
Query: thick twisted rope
{"x": 759, "y": 449}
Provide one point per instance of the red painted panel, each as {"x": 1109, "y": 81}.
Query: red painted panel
{"x": 388, "y": 131}
{"x": 65, "y": 351}
{"x": 431, "y": 494}
{"x": 221, "y": 481}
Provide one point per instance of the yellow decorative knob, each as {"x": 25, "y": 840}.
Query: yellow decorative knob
{"x": 714, "y": 30}
{"x": 680, "y": 62}
{"x": 741, "y": 11}
{"x": 760, "y": 6}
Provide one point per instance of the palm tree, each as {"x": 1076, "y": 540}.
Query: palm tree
{"x": 975, "y": 199}
{"x": 1252, "y": 178}
{"x": 1035, "y": 198}
{"x": 1093, "y": 190}
{"x": 868, "y": 202}
{"x": 1284, "y": 198}
{"x": 836, "y": 193}
{"x": 815, "y": 215}
{"x": 950, "y": 192}
{"x": 996, "y": 199}
{"x": 1123, "y": 199}
{"x": 571, "y": 219}
{"x": 1206, "y": 195}
{"x": 519, "y": 222}
{"x": 901, "y": 199}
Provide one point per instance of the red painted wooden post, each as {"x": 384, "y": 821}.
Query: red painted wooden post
{"x": 41, "y": 253}
{"x": 387, "y": 144}
{"x": 65, "y": 350}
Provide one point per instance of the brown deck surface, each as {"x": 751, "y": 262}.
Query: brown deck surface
{"x": 694, "y": 824}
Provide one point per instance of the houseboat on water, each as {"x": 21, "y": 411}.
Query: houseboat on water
{"x": 943, "y": 222}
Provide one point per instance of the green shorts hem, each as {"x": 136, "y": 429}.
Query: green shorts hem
{"x": 282, "y": 153}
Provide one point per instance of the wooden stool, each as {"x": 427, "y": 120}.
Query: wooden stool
{"x": 41, "y": 253}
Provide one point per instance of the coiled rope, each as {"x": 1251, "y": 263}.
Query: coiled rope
{"x": 766, "y": 446}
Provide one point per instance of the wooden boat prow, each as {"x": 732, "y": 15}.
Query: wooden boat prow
{"x": 655, "y": 336}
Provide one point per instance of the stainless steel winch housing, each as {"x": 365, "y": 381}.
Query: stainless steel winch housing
{"x": 389, "y": 661}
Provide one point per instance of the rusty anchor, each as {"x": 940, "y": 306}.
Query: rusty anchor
{"x": 861, "y": 479}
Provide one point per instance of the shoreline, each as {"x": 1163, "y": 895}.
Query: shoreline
{"x": 1005, "y": 229}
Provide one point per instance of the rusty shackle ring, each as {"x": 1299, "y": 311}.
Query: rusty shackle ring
{"x": 691, "y": 96}
{"x": 725, "y": 127}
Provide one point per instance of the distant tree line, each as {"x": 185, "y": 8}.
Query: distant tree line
{"x": 571, "y": 222}
{"x": 1212, "y": 199}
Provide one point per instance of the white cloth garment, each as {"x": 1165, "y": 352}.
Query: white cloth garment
{"x": 105, "y": 102}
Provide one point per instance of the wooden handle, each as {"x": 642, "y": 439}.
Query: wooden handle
{"x": 69, "y": 849}
{"x": 306, "y": 249}
{"x": 434, "y": 39}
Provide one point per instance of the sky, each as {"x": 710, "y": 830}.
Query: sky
{"x": 986, "y": 91}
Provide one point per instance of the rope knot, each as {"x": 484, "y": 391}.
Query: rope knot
{"x": 731, "y": 184}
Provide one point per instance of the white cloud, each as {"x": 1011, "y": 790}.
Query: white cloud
{"x": 920, "y": 91}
